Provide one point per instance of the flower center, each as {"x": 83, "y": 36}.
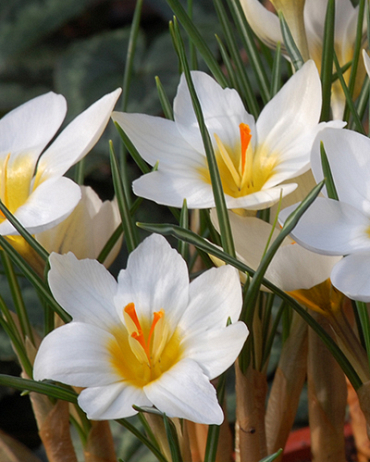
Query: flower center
{"x": 242, "y": 170}
{"x": 16, "y": 174}
{"x": 143, "y": 349}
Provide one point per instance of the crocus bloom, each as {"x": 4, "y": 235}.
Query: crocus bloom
{"x": 86, "y": 230}
{"x": 294, "y": 269}
{"x": 149, "y": 339}
{"x": 253, "y": 158}
{"x": 32, "y": 187}
{"x": 267, "y": 27}
{"x": 341, "y": 227}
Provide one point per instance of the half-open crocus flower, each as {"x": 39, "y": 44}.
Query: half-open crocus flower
{"x": 32, "y": 187}
{"x": 253, "y": 158}
{"x": 341, "y": 227}
{"x": 86, "y": 230}
{"x": 149, "y": 339}
{"x": 267, "y": 27}
{"x": 294, "y": 269}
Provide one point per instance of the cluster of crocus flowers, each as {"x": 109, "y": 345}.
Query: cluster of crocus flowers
{"x": 33, "y": 187}
{"x": 256, "y": 159}
{"x": 150, "y": 338}
{"x": 306, "y": 20}
{"x": 341, "y": 227}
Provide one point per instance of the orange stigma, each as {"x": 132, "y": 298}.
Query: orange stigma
{"x": 139, "y": 334}
{"x": 245, "y": 138}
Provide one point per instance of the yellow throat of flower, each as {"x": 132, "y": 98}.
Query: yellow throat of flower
{"x": 144, "y": 349}
{"x": 242, "y": 170}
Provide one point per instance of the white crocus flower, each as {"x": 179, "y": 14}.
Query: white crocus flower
{"x": 253, "y": 158}
{"x": 266, "y": 26}
{"x": 33, "y": 188}
{"x": 149, "y": 339}
{"x": 86, "y": 230}
{"x": 292, "y": 268}
{"x": 341, "y": 227}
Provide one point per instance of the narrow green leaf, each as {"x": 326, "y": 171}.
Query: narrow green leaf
{"x": 276, "y": 72}
{"x": 110, "y": 244}
{"x": 172, "y": 439}
{"x": 80, "y": 171}
{"x": 365, "y": 325}
{"x": 363, "y": 100}
{"x": 349, "y": 103}
{"x": 183, "y": 247}
{"x": 228, "y": 65}
{"x": 166, "y": 106}
{"x": 134, "y": 31}
{"x": 192, "y": 49}
{"x": 125, "y": 423}
{"x": 356, "y": 54}
{"x": 130, "y": 233}
{"x": 292, "y": 49}
{"x": 272, "y": 457}
{"x": 223, "y": 217}
{"x": 132, "y": 150}
{"x": 39, "y": 284}
{"x": 329, "y": 181}
{"x": 327, "y": 60}
{"x": 193, "y": 33}
{"x": 246, "y": 90}
{"x": 249, "y": 43}
{"x": 54, "y": 391}
{"x": 18, "y": 301}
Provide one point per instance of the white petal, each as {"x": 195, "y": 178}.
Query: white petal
{"x": 84, "y": 288}
{"x": 158, "y": 140}
{"x": 214, "y": 297}
{"x": 184, "y": 391}
{"x": 112, "y": 402}
{"x": 75, "y": 354}
{"x": 78, "y": 138}
{"x": 264, "y": 23}
{"x": 348, "y": 156}
{"x": 294, "y": 267}
{"x": 222, "y": 110}
{"x": 32, "y": 125}
{"x": 47, "y": 206}
{"x": 156, "y": 277}
{"x": 216, "y": 351}
{"x": 86, "y": 230}
{"x": 331, "y": 227}
{"x": 351, "y": 276}
{"x": 292, "y": 115}
{"x": 169, "y": 188}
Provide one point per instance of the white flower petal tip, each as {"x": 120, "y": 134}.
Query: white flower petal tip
{"x": 143, "y": 340}
{"x": 253, "y": 158}
{"x": 42, "y": 199}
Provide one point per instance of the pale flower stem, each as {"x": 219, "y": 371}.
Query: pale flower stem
{"x": 100, "y": 445}
{"x": 287, "y": 386}
{"x": 327, "y": 398}
{"x": 251, "y": 390}
{"x": 358, "y": 425}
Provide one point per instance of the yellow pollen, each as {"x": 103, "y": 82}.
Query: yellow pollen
{"x": 243, "y": 169}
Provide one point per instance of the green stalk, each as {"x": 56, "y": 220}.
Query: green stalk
{"x": 248, "y": 40}
{"x": 18, "y": 301}
{"x": 129, "y": 229}
{"x": 193, "y": 33}
{"x": 223, "y": 217}
{"x": 327, "y": 60}
{"x": 183, "y": 247}
{"x": 291, "y": 47}
{"x": 166, "y": 106}
{"x": 365, "y": 325}
{"x": 276, "y": 72}
{"x": 329, "y": 180}
{"x": 246, "y": 88}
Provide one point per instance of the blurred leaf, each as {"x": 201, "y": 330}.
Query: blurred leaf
{"x": 24, "y": 22}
